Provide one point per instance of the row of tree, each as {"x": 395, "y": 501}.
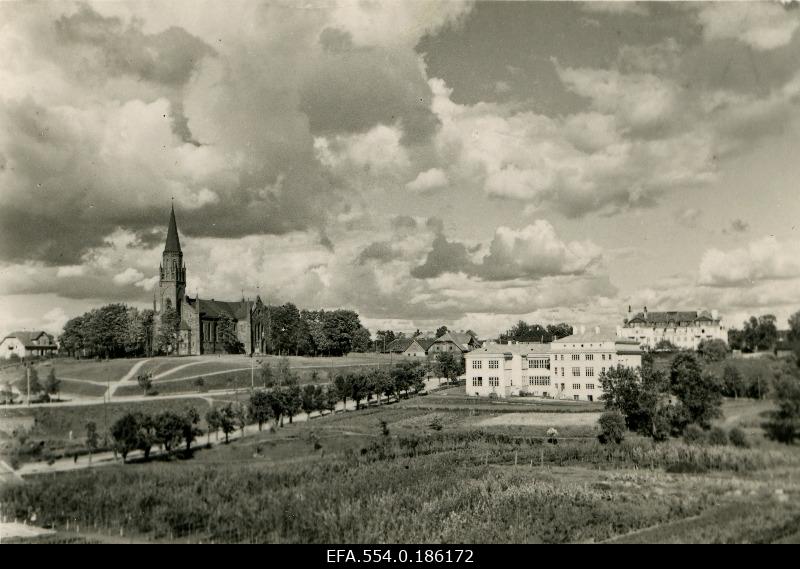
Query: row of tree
{"x": 113, "y": 330}
{"x": 141, "y": 431}
{"x": 524, "y": 332}
{"x": 757, "y": 334}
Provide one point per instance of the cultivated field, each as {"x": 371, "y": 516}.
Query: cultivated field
{"x": 443, "y": 473}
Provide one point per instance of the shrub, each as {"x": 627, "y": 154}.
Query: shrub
{"x": 612, "y": 427}
{"x": 695, "y": 435}
{"x": 738, "y": 438}
{"x": 718, "y": 437}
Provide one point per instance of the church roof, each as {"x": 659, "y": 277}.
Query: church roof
{"x": 238, "y": 310}
{"x": 173, "y": 243}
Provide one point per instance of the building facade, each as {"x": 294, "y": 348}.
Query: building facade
{"x": 569, "y": 368}
{"x": 458, "y": 343}
{"x": 200, "y": 329}
{"x": 37, "y": 343}
{"x": 683, "y": 329}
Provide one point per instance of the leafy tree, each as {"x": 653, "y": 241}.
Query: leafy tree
{"x": 384, "y": 338}
{"x": 134, "y": 430}
{"x": 449, "y": 365}
{"x": 72, "y": 339}
{"x": 612, "y": 427}
{"x": 733, "y": 382}
{"x": 226, "y": 420}
{"x": 642, "y": 397}
{"x": 362, "y": 341}
{"x": 794, "y": 327}
{"x": 784, "y": 423}
{"x": 294, "y": 401}
{"x": 441, "y": 331}
{"x": 191, "y": 420}
{"x": 92, "y": 438}
{"x": 309, "y": 399}
{"x": 169, "y": 429}
{"x": 166, "y": 340}
{"x": 712, "y": 350}
{"x": 200, "y": 383}
{"x": 266, "y": 374}
{"x": 342, "y": 388}
{"x": 330, "y": 398}
{"x": 213, "y": 421}
{"x": 260, "y": 407}
{"x": 276, "y": 401}
{"x": 145, "y": 382}
{"x": 524, "y": 332}
{"x": 358, "y": 387}
{"x": 52, "y": 385}
{"x": 35, "y": 386}
{"x": 240, "y": 416}
{"x": 226, "y": 334}
{"x": 699, "y": 394}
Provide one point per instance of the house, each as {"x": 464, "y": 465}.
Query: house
{"x": 454, "y": 342}
{"x": 569, "y": 368}
{"x": 418, "y": 347}
{"x": 37, "y": 343}
{"x": 682, "y": 328}
{"x": 399, "y": 345}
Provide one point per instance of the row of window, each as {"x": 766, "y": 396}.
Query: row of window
{"x": 587, "y": 357}
{"x": 589, "y": 386}
{"x": 538, "y": 380}
{"x": 539, "y": 363}
{"x": 478, "y": 382}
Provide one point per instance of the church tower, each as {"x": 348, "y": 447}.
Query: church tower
{"x": 172, "y": 272}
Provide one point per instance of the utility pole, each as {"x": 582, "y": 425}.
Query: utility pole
{"x": 28, "y": 377}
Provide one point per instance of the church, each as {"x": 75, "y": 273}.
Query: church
{"x": 198, "y": 331}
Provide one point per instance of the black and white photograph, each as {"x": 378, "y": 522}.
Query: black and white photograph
{"x": 398, "y": 280}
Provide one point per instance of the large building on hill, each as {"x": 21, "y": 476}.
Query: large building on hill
{"x": 199, "y": 329}
{"x": 682, "y": 328}
{"x": 569, "y": 368}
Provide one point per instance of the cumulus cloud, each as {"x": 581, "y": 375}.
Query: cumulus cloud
{"x": 764, "y": 259}
{"x": 429, "y": 180}
{"x": 689, "y": 216}
{"x": 761, "y": 25}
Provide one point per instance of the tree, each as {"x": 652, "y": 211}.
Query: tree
{"x": 449, "y": 365}
{"x": 226, "y": 420}
{"x": 72, "y": 340}
{"x": 134, "y": 430}
{"x": 166, "y": 340}
{"x": 362, "y": 341}
{"x": 699, "y": 394}
{"x": 226, "y": 334}
{"x": 794, "y": 327}
{"x": 383, "y": 338}
{"x": 169, "y": 429}
{"x": 358, "y": 387}
{"x": 712, "y": 350}
{"x": 259, "y": 407}
{"x": 441, "y": 331}
{"x": 200, "y": 383}
{"x": 92, "y": 438}
{"x": 665, "y": 346}
{"x": 191, "y": 418}
{"x": 612, "y": 427}
{"x": 294, "y": 401}
{"x": 52, "y": 385}
{"x": 642, "y": 397}
{"x": 309, "y": 399}
{"x": 240, "y": 416}
{"x": 733, "y": 382}
{"x": 33, "y": 381}
{"x": 266, "y": 374}
{"x": 784, "y": 423}
{"x": 330, "y": 398}
{"x": 342, "y": 388}
{"x": 213, "y": 421}
{"x": 276, "y": 401}
{"x": 145, "y": 382}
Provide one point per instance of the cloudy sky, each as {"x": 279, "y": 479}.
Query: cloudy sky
{"x": 420, "y": 162}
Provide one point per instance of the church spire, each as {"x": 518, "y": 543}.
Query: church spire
{"x": 173, "y": 243}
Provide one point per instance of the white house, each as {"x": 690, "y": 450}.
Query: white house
{"x": 568, "y": 368}
{"x": 27, "y": 344}
{"x": 682, "y": 328}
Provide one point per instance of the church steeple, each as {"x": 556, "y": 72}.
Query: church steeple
{"x": 173, "y": 243}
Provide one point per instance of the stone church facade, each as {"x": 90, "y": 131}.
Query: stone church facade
{"x": 198, "y": 332}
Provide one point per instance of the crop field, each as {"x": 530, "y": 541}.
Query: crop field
{"x": 342, "y": 478}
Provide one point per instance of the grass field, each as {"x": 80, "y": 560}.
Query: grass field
{"x": 485, "y": 476}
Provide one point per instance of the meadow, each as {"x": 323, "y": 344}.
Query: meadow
{"x": 346, "y": 478}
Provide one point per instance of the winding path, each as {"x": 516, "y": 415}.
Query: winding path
{"x": 112, "y": 387}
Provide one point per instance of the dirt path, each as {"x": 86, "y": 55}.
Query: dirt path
{"x": 131, "y": 372}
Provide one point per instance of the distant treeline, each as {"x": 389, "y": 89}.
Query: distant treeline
{"x": 524, "y": 332}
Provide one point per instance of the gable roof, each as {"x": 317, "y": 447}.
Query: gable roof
{"x": 238, "y": 310}
{"x": 460, "y": 339}
{"x": 423, "y": 343}
{"x": 28, "y": 337}
{"x": 400, "y": 344}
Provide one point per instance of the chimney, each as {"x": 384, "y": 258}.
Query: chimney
{"x": 629, "y": 309}
{"x": 645, "y": 313}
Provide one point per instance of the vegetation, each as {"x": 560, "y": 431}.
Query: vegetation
{"x": 114, "y": 330}
{"x": 712, "y": 350}
{"x": 758, "y": 333}
{"x": 524, "y": 332}
{"x": 612, "y": 427}
{"x": 784, "y": 424}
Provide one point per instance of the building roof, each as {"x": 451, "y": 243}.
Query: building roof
{"x": 518, "y": 348}
{"x": 173, "y": 243}
{"x": 400, "y": 344}
{"x": 423, "y": 343}
{"x": 238, "y": 310}
{"x": 675, "y": 316}
{"x": 27, "y": 338}
{"x": 595, "y": 337}
{"x": 461, "y": 339}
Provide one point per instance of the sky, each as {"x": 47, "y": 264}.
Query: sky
{"x": 423, "y": 163}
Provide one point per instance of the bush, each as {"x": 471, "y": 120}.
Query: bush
{"x": 612, "y": 427}
{"x": 695, "y": 435}
{"x": 718, "y": 437}
{"x": 738, "y": 438}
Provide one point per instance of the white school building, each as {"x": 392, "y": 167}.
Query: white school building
{"x": 568, "y": 368}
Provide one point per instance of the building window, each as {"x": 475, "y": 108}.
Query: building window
{"x": 602, "y": 370}
{"x": 590, "y": 386}
{"x": 544, "y": 393}
{"x": 562, "y": 372}
{"x": 589, "y": 357}
{"x": 604, "y": 357}
{"x": 589, "y": 372}
{"x": 494, "y": 381}
{"x": 576, "y": 357}
{"x": 576, "y": 386}
{"x": 539, "y": 364}
{"x": 477, "y": 382}
{"x": 576, "y": 372}
{"x": 494, "y": 364}
{"x": 576, "y": 397}
{"x": 477, "y": 364}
